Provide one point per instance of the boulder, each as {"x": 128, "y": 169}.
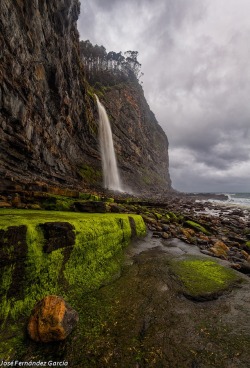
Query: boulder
{"x": 52, "y": 319}
{"x": 189, "y": 233}
{"x": 219, "y": 249}
{"x": 165, "y": 235}
{"x": 92, "y": 207}
{"x": 4, "y": 204}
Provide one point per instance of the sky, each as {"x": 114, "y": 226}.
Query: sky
{"x": 195, "y": 56}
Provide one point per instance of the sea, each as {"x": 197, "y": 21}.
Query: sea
{"x": 238, "y": 199}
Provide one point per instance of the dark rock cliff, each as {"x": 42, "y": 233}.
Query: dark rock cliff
{"x": 46, "y": 114}
{"x": 141, "y": 144}
{"x": 48, "y": 120}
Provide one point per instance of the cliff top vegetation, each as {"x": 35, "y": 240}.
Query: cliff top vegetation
{"x": 109, "y": 68}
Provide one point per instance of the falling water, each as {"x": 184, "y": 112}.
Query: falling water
{"x": 109, "y": 165}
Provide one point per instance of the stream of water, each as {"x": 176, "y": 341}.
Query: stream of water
{"x": 111, "y": 175}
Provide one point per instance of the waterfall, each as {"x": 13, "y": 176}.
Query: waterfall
{"x": 109, "y": 164}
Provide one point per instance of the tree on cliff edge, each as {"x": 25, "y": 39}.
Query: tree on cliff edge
{"x": 109, "y": 68}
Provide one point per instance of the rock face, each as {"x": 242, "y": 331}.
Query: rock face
{"x": 57, "y": 235}
{"x": 46, "y": 116}
{"x": 48, "y": 121}
{"x": 141, "y": 144}
{"x": 52, "y": 319}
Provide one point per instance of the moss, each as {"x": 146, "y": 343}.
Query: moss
{"x": 246, "y": 231}
{"x": 58, "y": 203}
{"x": 197, "y": 227}
{"x": 6, "y": 278}
{"x": 110, "y": 200}
{"x": 139, "y": 225}
{"x": 157, "y": 215}
{"x": 167, "y": 217}
{"x": 180, "y": 218}
{"x": 248, "y": 244}
{"x": 62, "y": 203}
{"x": 97, "y": 254}
{"x": 172, "y": 216}
{"x": 89, "y": 197}
{"x": 94, "y": 260}
{"x": 90, "y": 175}
{"x": 90, "y": 93}
{"x": 202, "y": 278}
{"x": 151, "y": 178}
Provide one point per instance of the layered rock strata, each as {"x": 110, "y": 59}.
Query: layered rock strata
{"x": 48, "y": 120}
{"x": 45, "y": 122}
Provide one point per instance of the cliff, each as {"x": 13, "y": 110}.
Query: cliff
{"x": 48, "y": 121}
{"x": 46, "y": 114}
{"x": 141, "y": 144}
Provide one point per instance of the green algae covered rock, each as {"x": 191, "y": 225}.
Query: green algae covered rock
{"x": 197, "y": 227}
{"x": 158, "y": 216}
{"x": 203, "y": 279}
{"x": 60, "y": 253}
{"x": 172, "y": 216}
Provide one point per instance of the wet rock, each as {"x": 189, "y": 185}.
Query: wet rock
{"x": 57, "y": 235}
{"x": 4, "y": 204}
{"x": 219, "y": 249}
{"x": 165, "y": 227}
{"x": 13, "y": 253}
{"x": 165, "y": 235}
{"x": 189, "y": 233}
{"x": 237, "y": 239}
{"x": 149, "y": 220}
{"x": 13, "y": 245}
{"x": 156, "y": 234}
{"x": 245, "y": 267}
{"x": 235, "y": 266}
{"x": 245, "y": 255}
{"x": 52, "y": 319}
{"x": 16, "y": 200}
{"x": 204, "y": 251}
{"x": 115, "y": 208}
{"x": 92, "y": 207}
{"x": 34, "y": 206}
{"x": 151, "y": 227}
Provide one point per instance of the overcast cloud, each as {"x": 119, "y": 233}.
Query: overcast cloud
{"x": 195, "y": 58}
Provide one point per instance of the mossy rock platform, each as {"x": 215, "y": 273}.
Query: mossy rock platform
{"x": 63, "y": 253}
{"x": 203, "y": 279}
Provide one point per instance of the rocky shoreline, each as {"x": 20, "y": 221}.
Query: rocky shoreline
{"x": 217, "y": 228}
{"x": 175, "y": 303}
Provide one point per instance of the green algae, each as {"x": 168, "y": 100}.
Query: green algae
{"x": 63, "y": 203}
{"x": 203, "y": 279}
{"x": 197, "y": 227}
{"x": 93, "y": 261}
{"x": 90, "y": 175}
{"x": 158, "y": 215}
{"x": 172, "y": 216}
